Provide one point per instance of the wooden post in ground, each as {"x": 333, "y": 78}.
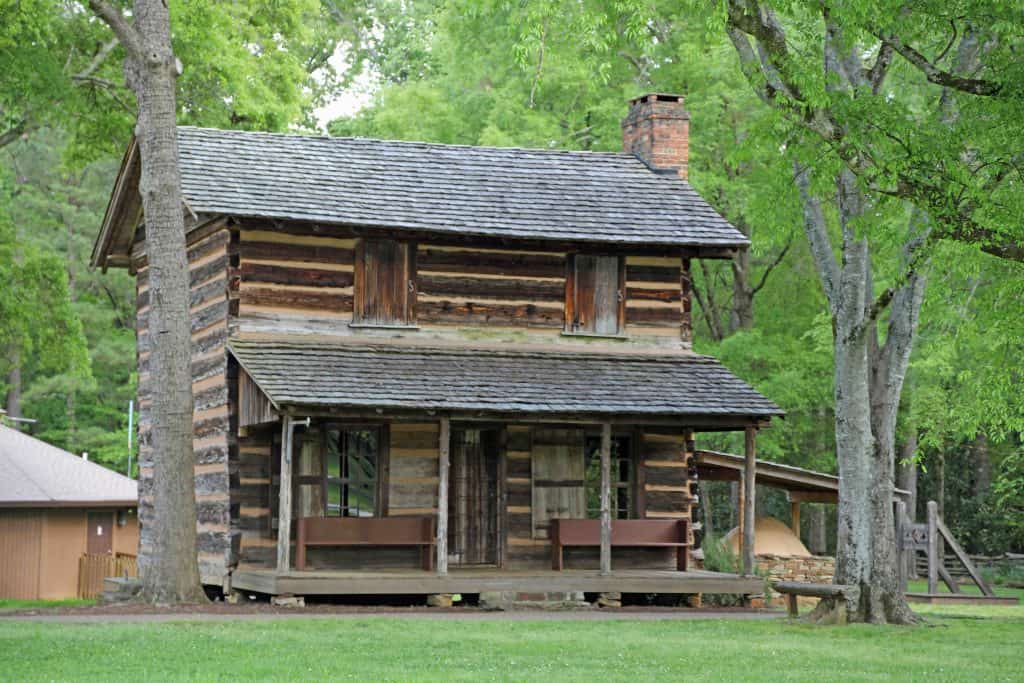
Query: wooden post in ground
{"x": 749, "y": 474}
{"x": 933, "y": 547}
{"x": 794, "y": 517}
{"x": 606, "y": 496}
{"x": 901, "y": 548}
{"x": 284, "y": 508}
{"x": 444, "y": 447}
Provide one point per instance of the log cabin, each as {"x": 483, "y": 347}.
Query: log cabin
{"x": 409, "y": 360}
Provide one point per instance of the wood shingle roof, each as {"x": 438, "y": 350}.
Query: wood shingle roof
{"x": 293, "y": 371}
{"x": 484, "y": 191}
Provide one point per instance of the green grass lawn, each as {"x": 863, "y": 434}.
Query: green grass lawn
{"x": 960, "y": 643}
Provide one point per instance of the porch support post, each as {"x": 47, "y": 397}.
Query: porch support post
{"x": 794, "y": 517}
{"x": 749, "y": 472}
{"x": 443, "y": 447}
{"x": 606, "y": 496}
{"x": 284, "y": 508}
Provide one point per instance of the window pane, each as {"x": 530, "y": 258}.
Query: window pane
{"x": 621, "y": 472}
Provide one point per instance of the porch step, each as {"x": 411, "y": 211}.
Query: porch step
{"x": 558, "y": 600}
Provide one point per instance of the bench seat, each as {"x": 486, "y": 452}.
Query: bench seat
{"x": 626, "y": 533}
{"x": 415, "y": 531}
{"x": 794, "y": 589}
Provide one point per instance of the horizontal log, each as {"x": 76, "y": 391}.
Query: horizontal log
{"x": 212, "y": 482}
{"x": 812, "y": 590}
{"x": 212, "y": 455}
{"x": 308, "y": 277}
{"x": 213, "y": 512}
{"x": 277, "y": 251}
{"x": 643, "y": 294}
{"x": 301, "y": 299}
{"x": 644, "y": 273}
{"x": 665, "y": 476}
{"x": 636, "y": 315}
{"x": 668, "y": 501}
{"x": 490, "y": 263}
{"x": 491, "y": 288}
{"x": 468, "y": 313}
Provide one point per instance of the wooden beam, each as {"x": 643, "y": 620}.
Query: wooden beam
{"x": 794, "y": 517}
{"x": 284, "y": 508}
{"x": 933, "y": 547}
{"x": 606, "y": 499}
{"x": 444, "y": 447}
{"x": 749, "y": 516}
{"x": 812, "y": 497}
{"x": 901, "y": 550}
{"x": 962, "y": 556}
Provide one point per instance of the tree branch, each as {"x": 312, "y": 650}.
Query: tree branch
{"x": 880, "y": 69}
{"x": 974, "y": 86}
{"x": 817, "y": 235}
{"x": 771, "y": 266}
{"x": 97, "y": 61}
{"x": 125, "y": 32}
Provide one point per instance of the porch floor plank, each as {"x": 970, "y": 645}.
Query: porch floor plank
{"x": 412, "y": 582}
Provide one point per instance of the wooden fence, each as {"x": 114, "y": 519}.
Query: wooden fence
{"x": 92, "y": 569}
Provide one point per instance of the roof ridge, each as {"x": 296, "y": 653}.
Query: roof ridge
{"x": 418, "y": 143}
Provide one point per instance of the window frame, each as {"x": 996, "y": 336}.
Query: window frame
{"x": 380, "y": 485}
{"x": 632, "y": 485}
{"x": 572, "y": 324}
{"x": 406, "y": 262}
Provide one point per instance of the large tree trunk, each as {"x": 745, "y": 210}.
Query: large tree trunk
{"x": 167, "y": 541}
{"x": 868, "y": 383}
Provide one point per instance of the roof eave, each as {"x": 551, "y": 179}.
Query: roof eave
{"x": 114, "y": 223}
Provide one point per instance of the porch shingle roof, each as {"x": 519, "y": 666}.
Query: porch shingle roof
{"x": 298, "y": 372}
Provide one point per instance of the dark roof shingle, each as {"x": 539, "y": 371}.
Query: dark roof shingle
{"x": 485, "y": 191}
{"x": 294, "y": 371}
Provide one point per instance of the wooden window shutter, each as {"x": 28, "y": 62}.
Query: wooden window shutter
{"x": 595, "y": 294}
{"x": 557, "y": 470}
{"x": 385, "y": 282}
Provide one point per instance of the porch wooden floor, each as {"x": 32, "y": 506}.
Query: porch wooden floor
{"x": 413, "y": 582}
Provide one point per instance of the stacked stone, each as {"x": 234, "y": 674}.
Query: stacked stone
{"x": 812, "y": 569}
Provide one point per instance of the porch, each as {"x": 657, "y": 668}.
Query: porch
{"x": 418, "y": 582}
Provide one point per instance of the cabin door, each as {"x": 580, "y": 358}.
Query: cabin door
{"x": 101, "y": 533}
{"x": 473, "y": 497}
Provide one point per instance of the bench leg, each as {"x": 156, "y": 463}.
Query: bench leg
{"x": 794, "y": 611}
{"x": 427, "y": 552}
{"x": 681, "y": 558}
{"x": 556, "y": 556}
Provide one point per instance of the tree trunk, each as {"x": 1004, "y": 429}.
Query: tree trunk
{"x": 982, "y": 467}
{"x": 742, "y": 315}
{"x": 818, "y": 537}
{"x": 705, "y": 507}
{"x": 168, "y": 564}
{"x": 868, "y": 382}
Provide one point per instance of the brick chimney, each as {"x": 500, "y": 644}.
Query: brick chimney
{"x": 657, "y": 130}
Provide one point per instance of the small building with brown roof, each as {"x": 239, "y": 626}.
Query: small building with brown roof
{"x": 54, "y": 508}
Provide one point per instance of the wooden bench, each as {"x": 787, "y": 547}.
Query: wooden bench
{"x": 365, "y": 531}
{"x": 631, "y": 533}
{"x": 794, "y": 589}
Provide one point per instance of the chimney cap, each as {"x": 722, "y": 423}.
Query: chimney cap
{"x": 657, "y": 97}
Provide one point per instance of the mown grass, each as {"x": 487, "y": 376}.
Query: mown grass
{"x": 958, "y": 643}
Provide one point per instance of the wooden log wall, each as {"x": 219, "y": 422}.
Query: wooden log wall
{"x": 669, "y": 478}
{"x": 251, "y": 496}
{"x": 213, "y": 432}
{"x": 293, "y": 282}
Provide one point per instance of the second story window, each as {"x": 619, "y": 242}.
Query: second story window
{"x": 595, "y": 294}
{"x": 385, "y": 283}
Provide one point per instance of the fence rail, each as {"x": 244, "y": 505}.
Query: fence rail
{"x": 958, "y": 570}
{"x": 92, "y": 569}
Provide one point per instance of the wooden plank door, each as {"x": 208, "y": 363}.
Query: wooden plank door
{"x": 473, "y": 498}
{"x": 100, "y": 533}
{"x": 598, "y": 303}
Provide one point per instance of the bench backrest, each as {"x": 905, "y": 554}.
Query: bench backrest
{"x": 375, "y": 530}
{"x": 624, "y": 531}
